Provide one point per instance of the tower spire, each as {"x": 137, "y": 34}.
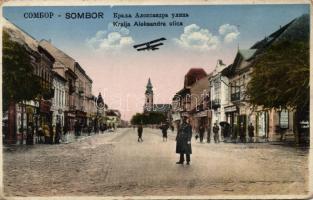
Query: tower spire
{"x": 149, "y": 87}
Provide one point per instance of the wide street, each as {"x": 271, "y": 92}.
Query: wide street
{"x": 116, "y": 164}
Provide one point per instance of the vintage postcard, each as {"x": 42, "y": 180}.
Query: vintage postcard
{"x": 155, "y": 100}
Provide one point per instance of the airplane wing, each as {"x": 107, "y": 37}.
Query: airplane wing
{"x": 157, "y": 40}
{"x": 144, "y": 48}
{"x": 148, "y": 43}
{"x": 155, "y": 45}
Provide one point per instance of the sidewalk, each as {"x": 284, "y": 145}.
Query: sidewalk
{"x": 70, "y": 138}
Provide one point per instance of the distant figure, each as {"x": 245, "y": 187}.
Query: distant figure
{"x": 76, "y": 127}
{"x": 234, "y": 132}
{"x": 58, "y": 131}
{"x": 140, "y": 130}
{"x": 164, "y": 128}
{"x": 208, "y": 134}
{"x": 215, "y": 131}
{"x": 172, "y": 128}
{"x": 242, "y": 134}
{"x": 183, "y": 141}
{"x": 201, "y": 132}
{"x": 251, "y": 132}
{"x": 46, "y": 132}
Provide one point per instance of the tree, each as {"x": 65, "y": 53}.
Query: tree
{"x": 19, "y": 82}
{"x": 148, "y": 118}
{"x": 280, "y": 77}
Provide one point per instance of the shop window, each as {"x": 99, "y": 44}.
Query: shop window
{"x": 284, "y": 119}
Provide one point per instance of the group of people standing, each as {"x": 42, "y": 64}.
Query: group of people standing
{"x": 51, "y": 134}
{"x": 228, "y": 133}
{"x": 184, "y": 135}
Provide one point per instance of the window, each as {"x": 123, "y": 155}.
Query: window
{"x": 284, "y": 119}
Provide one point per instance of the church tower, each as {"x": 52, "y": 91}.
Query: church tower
{"x": 149, "y": 97}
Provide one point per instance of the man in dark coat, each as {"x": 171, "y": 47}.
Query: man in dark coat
{"x": 251, "y": 132}
{"x": 208, "y": 137}
{"x": 242, "y": 133}
{"x": 201, "y": 132}
{"x": 215, "y": 131}
{"x": 139, "y": 131}
{"x": 183, "y": 141}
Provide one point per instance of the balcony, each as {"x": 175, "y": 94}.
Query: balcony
{"x": 72, "y": 88}
{"x": 80, "y": 90}
{"x": 235, "y": 96}
{"x": 215, "y": 104}
{"x": 72, "y": 108}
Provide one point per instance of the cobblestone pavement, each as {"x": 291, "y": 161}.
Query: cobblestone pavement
{"x": 115, "y": 164}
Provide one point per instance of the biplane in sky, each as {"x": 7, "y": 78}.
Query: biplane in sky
{"x": 152, "y": 45}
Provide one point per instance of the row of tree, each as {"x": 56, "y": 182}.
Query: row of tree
{"x": 148, "y": 118}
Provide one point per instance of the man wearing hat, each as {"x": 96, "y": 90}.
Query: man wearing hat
{"x": 183, "y": 141}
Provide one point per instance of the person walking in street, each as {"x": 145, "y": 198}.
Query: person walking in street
{"x": 215, "y": 132}
{"x": 208, "y": 137}
{"x": 251, "y": 132}
{"x": 164, "y": 128}
{"x": 183, "y": 141}
{"x": 201, "y": 132}
{"x": 139, "y": 131}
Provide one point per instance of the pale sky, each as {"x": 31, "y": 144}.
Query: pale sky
{"x": 121, "y": 73}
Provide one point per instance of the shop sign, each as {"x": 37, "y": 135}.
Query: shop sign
{"x": 176, "y": 116}
{"x": 202, "y": 114}
{"x": 230, "y": 109}
{"x": 45, "y": 106}
{"x": 305, "y": 124}
{"x": 185, "y": 114}
{"x": 70, "y": 114}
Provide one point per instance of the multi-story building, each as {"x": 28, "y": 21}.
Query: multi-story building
{"x": 182, "y": 100}
{"x": 113, "y": 118}
{"x": 58, "y": 101}
{"x": 64, "y": 65}
{"x": 219, "y": 93}
{"x": 26, "y": 117}
{"x": 199, "y": 113}
{"x": 267, "y": 122}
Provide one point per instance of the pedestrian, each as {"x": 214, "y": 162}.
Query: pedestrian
{"x": 183, "y": 141}
{"x": 235, "y": 132}
{"x": 215, "y": 132}
{"x": 172, "y": 128}
{"x": 58, "y": 133}
{"x": 76, "y": 127}
{"x": 139, "y": 131}
{"x": 46, "y": 133}
{"x": 201, "y": 132}
{"x": 242, "y": 132}
{"x": 251, "y": 132}
{"x": 41, "y": 135}
{"x": 65, "y": 130}
{"x": 164, "y": 128}
{"x": 30, "y": 134}
{"x": 208, "y": 134}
